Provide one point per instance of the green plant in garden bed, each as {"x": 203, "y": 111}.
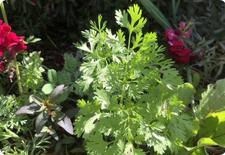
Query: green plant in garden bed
{"x": 134, "y": 100}
{"x": 137, "y": 101}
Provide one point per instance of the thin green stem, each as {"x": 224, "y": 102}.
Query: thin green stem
{"x": 126, "y": 69}
{"x": 189, "y": 76}
{"x": 18, "y": 77}
{"x": 4, "y": 13}
{"x": 15, "y": 61}
{"x": 129, "y": 39}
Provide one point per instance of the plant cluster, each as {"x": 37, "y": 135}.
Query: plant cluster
{"x": 125, "y": 78}
{"x": 123, "y": 97}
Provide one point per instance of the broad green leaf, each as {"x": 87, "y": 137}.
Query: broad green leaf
{"x": 32, "y": 39}
{"x": 186, "y": 92}
{"x": 213, "y": 99}
{"x": 206, "y": 141}
{"x": 47, "y": 88}
{"x": 212, "y": 129}
{"x": 52, "y": 76}
{"x": 64, "y": 77}
{"x": 40, "y": 121}
{"x": 199, "y": 151}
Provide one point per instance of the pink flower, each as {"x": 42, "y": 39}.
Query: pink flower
{"x": 171, "y": 34}
{"x": 184, "y": 30}
{"x": 177, "y": 46}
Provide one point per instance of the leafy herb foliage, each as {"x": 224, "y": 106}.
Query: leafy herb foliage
{"x": 137, "y": 100}
{"x": 31, "y": 71}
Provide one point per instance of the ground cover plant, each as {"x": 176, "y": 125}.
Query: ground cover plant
{"x": 127, "y": 90}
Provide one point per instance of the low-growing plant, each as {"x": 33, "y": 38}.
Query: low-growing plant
{"x": 137, "y": 101}
{"x": 49, "y": 112}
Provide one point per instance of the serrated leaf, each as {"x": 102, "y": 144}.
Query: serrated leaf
{"x": 122, "y": 18}
{"x": 71, "y": 63}
{"x": 137, "y": 21}
{"x": 64, "y": 77}
{"x": 66, "y": 124}
{"x": 84, "y": 47}
{"x": 90, "y": 124}
{"x": 103, "y": 98}
{"x": 28, "y": 109}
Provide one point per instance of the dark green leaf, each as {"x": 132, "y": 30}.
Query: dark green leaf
{"x": 40, "y": 121}
{"x": 52, "y": 76}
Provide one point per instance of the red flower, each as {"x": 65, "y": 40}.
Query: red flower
{"x": 9, "y": 42}
{"x": 177, "y": 47}
{"x": 1, "y": 54}
{"x": 176, "y": 43}
{"x": 14, "y": 43}
{"x": 180, "y": 54}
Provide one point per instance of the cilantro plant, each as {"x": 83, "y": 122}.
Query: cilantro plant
{"x": 136, "y": 99}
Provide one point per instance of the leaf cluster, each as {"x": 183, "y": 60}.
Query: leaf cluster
{"x": 48, "y": 112}
{"x": 136, "y": 97}
{"x": 31, "y": 71}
